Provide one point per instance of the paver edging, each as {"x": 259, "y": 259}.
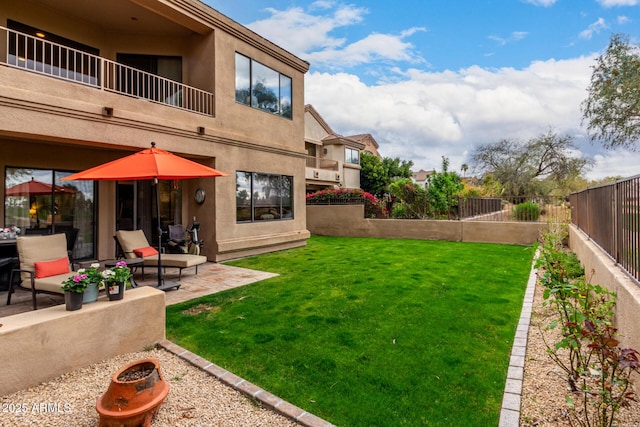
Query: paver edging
{"x": 512, "y": 397}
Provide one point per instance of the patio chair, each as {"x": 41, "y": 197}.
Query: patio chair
{"x": 134, "y": 244}
{"x": 44, "y": 265}
{"x": 177, "y": 242}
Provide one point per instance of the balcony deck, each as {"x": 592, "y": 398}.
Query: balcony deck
{"x": 36, "y": 55}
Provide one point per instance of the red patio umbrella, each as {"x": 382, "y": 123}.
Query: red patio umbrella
{"x": 151, "y": 163}
{"x": 35, "y": 188}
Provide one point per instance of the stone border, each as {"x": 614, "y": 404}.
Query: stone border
{"x": 510, "y": 411}
{"x": 248, "y": 389}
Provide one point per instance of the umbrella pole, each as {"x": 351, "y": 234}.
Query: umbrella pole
{"x": 162, "y": 285}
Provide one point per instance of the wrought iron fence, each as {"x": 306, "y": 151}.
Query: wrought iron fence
{"x": 610, "y": 215}
{"x": 529, "y": 209}
{"x": 520, "y": 208}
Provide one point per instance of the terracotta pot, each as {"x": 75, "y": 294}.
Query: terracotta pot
{"x": 134, "y": 395}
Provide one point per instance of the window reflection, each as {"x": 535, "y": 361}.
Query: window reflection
{"x": 263, "y": 197}
{"x": 261, "y": 87}
{"x": 38, "y": 202}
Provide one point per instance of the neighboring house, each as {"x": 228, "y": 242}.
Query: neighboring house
{"x": 370, "y": 144}
{"x": 421, "y": 177}
{"x": 333, "y": 161}
{"x": 87, "y": 81}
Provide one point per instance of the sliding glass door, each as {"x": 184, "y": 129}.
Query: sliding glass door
{"x": 38, "y": 202}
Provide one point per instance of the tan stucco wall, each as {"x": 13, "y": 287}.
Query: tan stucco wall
{"x": 349, "y": 221}
{"x": 603, "y": 271}
{"x": 63, "y": 124}
{"x": 43, "y": 344}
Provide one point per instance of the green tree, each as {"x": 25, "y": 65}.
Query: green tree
{"x": 396, "y": 168}
{"x": 612, "y": 106}
{"x": 533, "y": 167}
{"x": 376, "y": 174}
{"x": 413, "y": 199}
{"x": 373, "y": 176}
{"x": 443, "y": 189}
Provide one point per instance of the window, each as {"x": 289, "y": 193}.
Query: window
{"x": 351, "y": 156}
{"x": 263, "y": 197}
{"x": 261, "y": 87}
{"x": 39, "y": 202}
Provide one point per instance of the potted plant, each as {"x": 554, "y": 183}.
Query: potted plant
{"x": 116, "y": 279}
{"x": 73, "y": 288}
{"x": 95, "y": 278}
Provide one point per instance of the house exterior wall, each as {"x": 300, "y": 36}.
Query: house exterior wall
{"x": 48, "y": 122}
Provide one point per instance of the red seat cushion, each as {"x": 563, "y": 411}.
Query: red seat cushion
{"x": 148, "y": 251}
{"x": 51, "y": 268}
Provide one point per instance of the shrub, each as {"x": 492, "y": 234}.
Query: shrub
{"x": 597, "y": 370}
{"x": 527, "y": 211}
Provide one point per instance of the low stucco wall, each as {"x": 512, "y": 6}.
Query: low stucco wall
{"x": 43, "y": 344}
{"x": 349, "y": 221}
{"x": 606, "y": 273}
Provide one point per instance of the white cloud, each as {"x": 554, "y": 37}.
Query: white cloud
{"x": 514, "y": 37}
{"x": 374, "y": 47}
{"x": 429, "y": 115}
{"x": 613, "y": 3}
{"x": 623, "y": 20}
{"x": 620, "y": 162}
{"x": 596, "y": 27}
{"x": 313, "y": 40}
{"x": 311, "y": 31}
{"x": 545, "y": 3}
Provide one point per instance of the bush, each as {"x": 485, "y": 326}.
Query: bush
{"x": 399, "y": 211}
{"x": 527, "y": 211}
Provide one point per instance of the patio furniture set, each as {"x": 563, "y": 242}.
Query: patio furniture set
{"x": 44, "y": 262}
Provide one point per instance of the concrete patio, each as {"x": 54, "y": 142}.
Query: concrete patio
{"x": 211, "y": 278}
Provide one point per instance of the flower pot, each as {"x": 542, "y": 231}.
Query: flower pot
{"x": 134, "y": 395}
{"x": 73, "y": 300}
{"x": 90, "y": 293}
{"x": 115, "y": 290}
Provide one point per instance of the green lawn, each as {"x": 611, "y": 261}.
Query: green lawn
{"x": 371, "y": 332}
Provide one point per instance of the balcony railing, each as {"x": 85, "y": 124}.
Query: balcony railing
{"x": 320, "y": 163}
{"x": 44, "y": 57}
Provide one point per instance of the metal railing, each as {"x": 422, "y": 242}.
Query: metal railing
{"x": 610, "y": 215}
{"x": 54, "y": 60}
{"x": 320, "y": 163}
{"x": 518, "y": 208}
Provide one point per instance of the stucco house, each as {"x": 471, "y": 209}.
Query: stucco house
{"x": 83, "y": 82}
{"x": 370, "y": 143}
{"x": 333, "y": 160}
{"x": 421, "y": 177}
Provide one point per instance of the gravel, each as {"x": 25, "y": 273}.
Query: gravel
{"x": 195, "y": 398}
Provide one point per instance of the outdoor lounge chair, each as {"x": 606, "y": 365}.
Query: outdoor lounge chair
{"x": 44, "y": 265}
{"x": 134, "y": 244}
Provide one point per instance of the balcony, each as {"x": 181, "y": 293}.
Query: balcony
{"x": 322, "y": 171}
{"x": 40, "y": 56}
{"x": 319, "y": 163}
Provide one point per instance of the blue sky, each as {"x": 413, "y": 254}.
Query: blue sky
{"x": 433, "y": 78}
